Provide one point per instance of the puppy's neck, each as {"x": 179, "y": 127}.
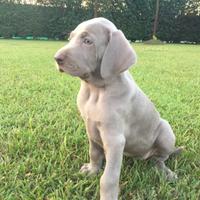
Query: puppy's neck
{"x": 94, "y": 78}
{"x": 99, "y": 82}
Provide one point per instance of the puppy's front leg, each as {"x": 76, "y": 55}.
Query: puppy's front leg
{"x": 109, "y": 183}
{"x": 96, "y": 159}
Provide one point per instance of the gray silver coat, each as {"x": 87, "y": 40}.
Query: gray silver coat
{"x": 119, "y": 117}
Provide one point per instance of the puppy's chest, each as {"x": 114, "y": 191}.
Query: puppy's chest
{"x": 89, "y": 105}
{"x": 92, "y": 112}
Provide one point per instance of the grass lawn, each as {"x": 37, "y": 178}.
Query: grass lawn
{"x": 42, "y": 137}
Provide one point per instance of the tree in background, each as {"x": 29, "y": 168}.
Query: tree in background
{"x": 168, "y": 14}
{"x": 170, "y": 20}
{"x": 192, "y": 7}
{"x": 100, "y": 7}
{"x": 156, "y": 18}
{"x": 61, "y": 3}
{"x": 94, "y": 5}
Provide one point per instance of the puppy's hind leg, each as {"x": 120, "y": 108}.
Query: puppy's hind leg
{"x": 165, "y": 146}
{"x": 169, "y": 174}
{"x": 177, "y": 151}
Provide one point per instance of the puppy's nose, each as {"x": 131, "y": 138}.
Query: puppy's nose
{"x": 59, "y": 59}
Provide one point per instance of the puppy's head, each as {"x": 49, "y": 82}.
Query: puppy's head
{"x": 95, "y": 45}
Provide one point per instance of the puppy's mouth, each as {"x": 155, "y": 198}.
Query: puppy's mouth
{"x": 60, "y": 70}
{"x": 69, "y": 69}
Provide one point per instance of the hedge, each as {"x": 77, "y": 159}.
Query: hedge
{"x": 38, "y": 21}
{"x": 135, "y": 20}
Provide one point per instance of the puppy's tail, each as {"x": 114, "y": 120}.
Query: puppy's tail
{"x": 177, "y": 151}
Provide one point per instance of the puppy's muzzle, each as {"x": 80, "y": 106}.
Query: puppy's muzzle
{"x": 59, "y": 59}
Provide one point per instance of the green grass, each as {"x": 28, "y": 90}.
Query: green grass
{"x": 42, "y": 137}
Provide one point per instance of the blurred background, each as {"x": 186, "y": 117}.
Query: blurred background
{"x": 173, "y": 21}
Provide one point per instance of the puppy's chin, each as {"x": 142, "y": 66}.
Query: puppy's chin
{"x": 82, "y": 76}
{"x": 67, "y": 70}
{"x": 74, "y": 73}
{"x": 61, "y": 70}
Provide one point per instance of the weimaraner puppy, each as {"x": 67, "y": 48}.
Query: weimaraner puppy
{"x": 119, "y": 117}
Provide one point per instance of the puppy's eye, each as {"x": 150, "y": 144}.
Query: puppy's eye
{"x": 87, "y": 41}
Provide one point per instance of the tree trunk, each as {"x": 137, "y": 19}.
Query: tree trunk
{"x": 156, "y": 18}
{"x": 95, "y": 8}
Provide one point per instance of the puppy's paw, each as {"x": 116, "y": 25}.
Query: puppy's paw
{"x": 87, "y": 168}
{"x": 171, "y": 176}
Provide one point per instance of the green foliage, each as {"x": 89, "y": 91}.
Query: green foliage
{"x": 24, "y": 20}
{"x": 193, "y": 7}
{"x": 133, "y": 17}
{"x": 56, "y": 18}
{"x": 167, "y": 26}
{"x": 43, "y": 141}
{"x": 188, "y": 28}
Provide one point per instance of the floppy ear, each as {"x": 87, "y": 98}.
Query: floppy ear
{"x": 118, "y": 56}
